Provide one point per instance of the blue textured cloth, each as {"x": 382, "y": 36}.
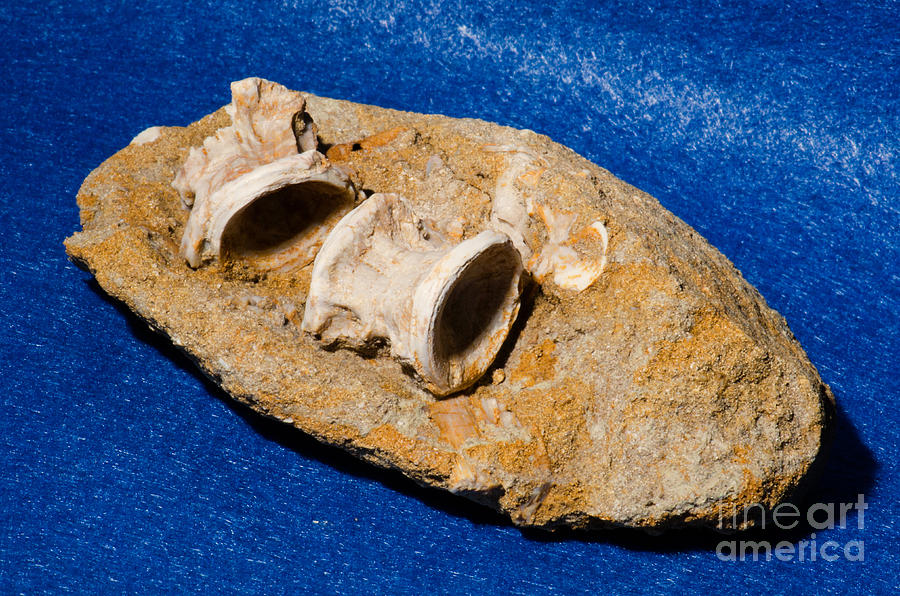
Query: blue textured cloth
{"x": 771, "y": 129}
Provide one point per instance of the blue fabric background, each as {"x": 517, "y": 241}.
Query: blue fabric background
{"x": 771, "y": 129}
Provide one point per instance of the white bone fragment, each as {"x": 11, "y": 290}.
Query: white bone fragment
{"x": 148, "y": 135}
{"x": 264, "y": 117}
{"x": 510, "y": 211}
{"x": 573, "y": 260}
{"x": 252, "y": 195}
{"x": 274, "y": 217}
{"x": 385, "y": 274}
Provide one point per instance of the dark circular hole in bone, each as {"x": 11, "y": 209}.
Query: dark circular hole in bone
{"x": 278, "y": 222}
{"x": 477, "y": 306}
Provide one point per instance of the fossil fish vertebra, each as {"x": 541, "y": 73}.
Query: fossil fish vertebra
{"x": 256, "y": 158}
{"x": 384, "y": 273}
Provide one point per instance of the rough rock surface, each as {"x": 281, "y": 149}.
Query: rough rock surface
{"x": 666, "y": 393}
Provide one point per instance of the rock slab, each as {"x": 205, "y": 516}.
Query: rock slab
{"x": 665, "y": 393}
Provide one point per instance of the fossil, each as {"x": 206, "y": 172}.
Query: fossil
{"x": 258, "y": 134}
{"x": 274, "y": 216}
{"x": 255, "y": 158}
{"x": 638, "y": 380}
{"x": 384, "y": 273}
{"x": 575, "y": 259}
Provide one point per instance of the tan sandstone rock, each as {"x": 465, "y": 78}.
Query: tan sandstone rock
{"x": 644, "y": 384}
